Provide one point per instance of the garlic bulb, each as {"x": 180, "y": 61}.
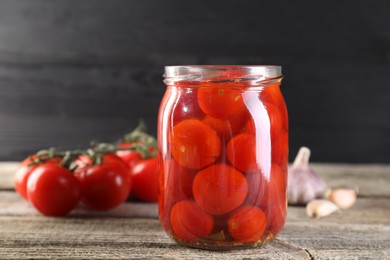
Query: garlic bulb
{"x": 320, "y": 208}
{"x": 343, "y": 198}
{"x": 304, "y": 184}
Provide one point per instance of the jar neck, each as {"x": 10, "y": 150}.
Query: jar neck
{"x": 244, "y": 75}
{"x": 236, "y": 84}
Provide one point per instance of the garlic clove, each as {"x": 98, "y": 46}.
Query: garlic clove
{"x": 320, "y": 208}
{"x": 304, "y": 184}
{"x": 343, "y": 198}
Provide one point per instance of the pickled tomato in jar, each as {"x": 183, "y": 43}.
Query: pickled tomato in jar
{"x": 223, "y": 151}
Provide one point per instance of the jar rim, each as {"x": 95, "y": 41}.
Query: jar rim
{"x": 204, "y": 72}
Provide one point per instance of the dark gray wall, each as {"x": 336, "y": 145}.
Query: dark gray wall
{"x": 71, "y": 71}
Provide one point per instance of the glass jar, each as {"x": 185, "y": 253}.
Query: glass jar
{"x": 223, "y": 148}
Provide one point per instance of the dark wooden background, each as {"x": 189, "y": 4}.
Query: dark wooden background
{"x": 72, "y": 71}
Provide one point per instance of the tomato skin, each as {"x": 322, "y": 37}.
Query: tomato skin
{"x": 194, "y": 144}
{"x": 175, "y": 185}
{"x": 226, "y": 128}
{"x": 218, "y": 101}
{"x": 145, "y": 180}
{"x": 189, "y": 222}
{"x": 272, "y": 94}
{"x": 23, "y": 173}
{"x": 278, "y": 132}
{"x": 179, "y": 182}
{"x": 241, "y": 152}
{"x": 53, "y": 190}
{"x": 219, "y": 189}
{"x": 257, "y": 189}
{"x": 130, "y": 157}
{"x": 21, "y": 176}
{"x": 187, "y": 106}
{"x": 280, "y": 149}
{"x": 85, "y": 161}
{"x": 274, "y": 200}
{"x": 106, "y": 185}
{"x": 247, "y": 224}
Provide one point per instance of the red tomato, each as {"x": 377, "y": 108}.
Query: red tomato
{"x": 272, "y": 94}
{"x": 275, "y": 121}
{"x": 130, "y": 157}
{"x": 247, "y": 224}
{"x": 106, "y": 185}
{"x": 226, "y": 128}
{"x": 23, "y": 172}
{"x": 194, "y": 144}
{"x": 175, "y": 185}
{"x": 280, "y": 149}
{"x": 189, "y": 223}
{"x": 274, "y": 200}
{"x": 85, "y": 161}
{"x": 145, "y": 180}
{"x": 256, "y": 189}
{"x": 219, "y": 101}
{"x": 187, "y": 105}
{"x": 219, "y": 189}
{"x": 178, "y": 181}
{"x": 241, "y": 152}
{"x": 277, "y": 216}
{"x": 278, "y": 132}
{"x": 53, "y": 190}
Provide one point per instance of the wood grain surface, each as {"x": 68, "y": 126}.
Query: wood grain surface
{"x": 133, "y": 231}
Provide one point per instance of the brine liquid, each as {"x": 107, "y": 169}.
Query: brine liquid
{"x": 223, "y": 161}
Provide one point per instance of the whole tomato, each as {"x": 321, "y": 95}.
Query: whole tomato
{"x": 53, "y": 190}
{"x": 105, "y": 185}
{"x": 194, "y": 144}
{"x": 145, "y": 180}
{"x": 23, "y": 172}
{"x": 219, "y": 189}
{"x": 189, "y": 223}
{"x": 247, "y": 224}
{"x": 219, "y": 101}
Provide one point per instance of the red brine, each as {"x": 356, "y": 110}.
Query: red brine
{"x": 223, "y": 150}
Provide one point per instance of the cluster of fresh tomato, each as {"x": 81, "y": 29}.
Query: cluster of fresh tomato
{"x": 212, "y": 184}
{"x": 101, "y": 178}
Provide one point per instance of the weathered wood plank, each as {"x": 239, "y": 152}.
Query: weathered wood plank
{"x": 7, "y": 172}
{"x": 372, "y": 180}
{"x": 362, "y": 231}
{"x": 11, "y": 204}
{"x": 40, "y": 237}
{"x": 132, "y": 230}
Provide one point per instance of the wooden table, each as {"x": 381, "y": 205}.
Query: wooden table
{"x": 133, "y": 230}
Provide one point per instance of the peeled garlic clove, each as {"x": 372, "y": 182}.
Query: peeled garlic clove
{"x": 304, "y": 184}
{"x": 343, "y": 198}
{"x": 320, "y": 208}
